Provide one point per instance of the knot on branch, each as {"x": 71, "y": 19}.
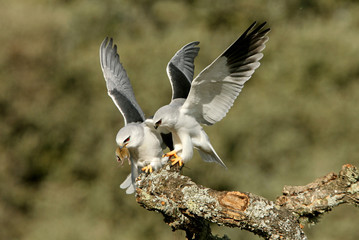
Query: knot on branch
{"x": 350, "y": 173}
{"x": 234, "y": 201}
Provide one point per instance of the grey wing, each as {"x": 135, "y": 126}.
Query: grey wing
{"x": 118, "y": 84}
{"x": 214, "y": 90}
{"x": 180, "y": 70}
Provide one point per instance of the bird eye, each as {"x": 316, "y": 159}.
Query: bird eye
{"x": 126, "y": 140}
{"x": 159, "y": 122}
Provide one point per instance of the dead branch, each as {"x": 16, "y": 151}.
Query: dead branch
{"x": 191, "y": 207}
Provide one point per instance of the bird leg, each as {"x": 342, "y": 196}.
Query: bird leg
{"x": 147, "y": 169}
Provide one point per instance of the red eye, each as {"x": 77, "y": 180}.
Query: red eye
{"x": 126, "y": 140}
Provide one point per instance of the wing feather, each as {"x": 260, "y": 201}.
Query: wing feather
{"x": 118, "y": 84}
{"x": 180, "y": 70}
{"x": 214, "y": 90}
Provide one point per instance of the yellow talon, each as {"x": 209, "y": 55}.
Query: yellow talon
{"x": 147, "y": 169}
{"x": 176, "y": 160}
{"x": 170, "y": 154}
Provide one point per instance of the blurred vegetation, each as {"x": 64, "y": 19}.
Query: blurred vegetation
{"x": 296, "y": 120}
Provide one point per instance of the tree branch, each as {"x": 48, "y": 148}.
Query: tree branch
{"x": 323, "y": 194}
{"x": 191, "y": 207}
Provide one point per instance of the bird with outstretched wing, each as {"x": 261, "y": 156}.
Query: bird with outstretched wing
{"x": 211, "y": 95}
{"x": 138, "y": 141}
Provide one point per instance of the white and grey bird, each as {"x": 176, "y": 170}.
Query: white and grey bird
{"x": 137, "y": 141}
{"x": 180, "y": 71}
{"x": 211, "y": 95}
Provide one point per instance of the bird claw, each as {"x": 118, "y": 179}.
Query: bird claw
{"x": 147, "y": 169}
{"x": 170, "y": 154}
{"x": 177, "y": 160}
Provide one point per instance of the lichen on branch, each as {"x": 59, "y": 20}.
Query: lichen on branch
{"x": 191, "y": 207}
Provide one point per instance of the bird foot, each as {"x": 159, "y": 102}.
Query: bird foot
{"x": 147, "y": 169}
{"x": 170, "y": 154}
{"x": 177, "y": 160}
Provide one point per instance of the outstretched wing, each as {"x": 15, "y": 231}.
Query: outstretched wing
{"x": 180, "y": 70}
{"x": 118, "y": 84}
{"x": 214, "y": 90}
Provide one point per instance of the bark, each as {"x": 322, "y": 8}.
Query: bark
{"x": 191, "y": 207}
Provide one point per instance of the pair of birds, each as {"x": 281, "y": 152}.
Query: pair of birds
{"x": 203, "y": 100}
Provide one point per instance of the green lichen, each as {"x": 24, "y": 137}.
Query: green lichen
{"x": 354, "y": 188}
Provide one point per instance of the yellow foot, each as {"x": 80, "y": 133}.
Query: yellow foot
{"x": 176, "y": 160}
{"x": 147, "y": 169}
{"x": 170, "y": 154}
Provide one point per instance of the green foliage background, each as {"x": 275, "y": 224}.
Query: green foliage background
{"x": 296, "y": 119}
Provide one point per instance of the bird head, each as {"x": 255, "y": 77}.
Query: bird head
{"x": 129, "y": 137}
{"x": 164, "y": 118}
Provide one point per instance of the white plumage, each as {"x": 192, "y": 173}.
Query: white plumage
{"x": 138, "y": 141}
{"x": 211, "y": 95}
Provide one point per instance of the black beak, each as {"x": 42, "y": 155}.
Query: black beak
{"x": 157, "y": 124}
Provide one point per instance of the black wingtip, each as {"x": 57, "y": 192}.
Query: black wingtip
{"x": 258, "y": 29}
{"x": 108, "y": 42}
{"x": 191, "y": 44}
{"x": 102, "y": 50}
{"x": 104, "y": 43}
{"x": 105, "y": 40}
{"x": 253, "y": 25}
{"x": 242, "y": 44}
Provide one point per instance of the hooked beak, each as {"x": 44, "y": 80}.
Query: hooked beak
{"x": 121, "y": 146}
{"x": 157, "y": 124}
